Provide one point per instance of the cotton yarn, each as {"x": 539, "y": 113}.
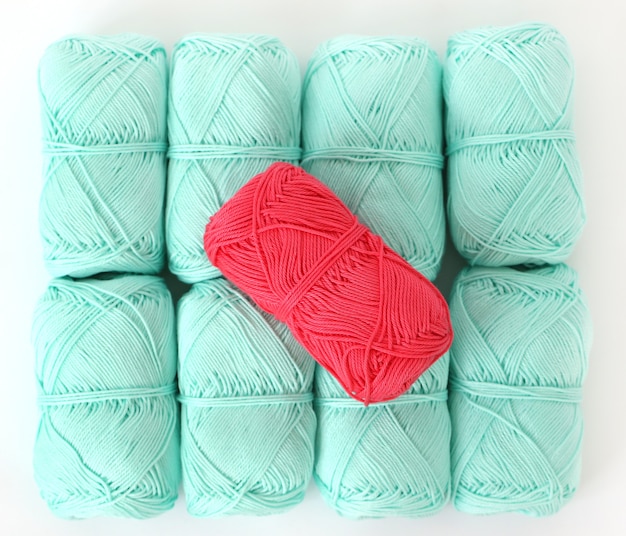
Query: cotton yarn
{"x": 234, "y": 108}
{"x": 515, "y": 193}
{"x": 103, "y": 105}
{"x": 517, "y": 364}
{"x": 372, "y": 132}
{"x": 360, "y": 309}
{"x": 107, "y": 443}
{"x": 389, "y": 459}
{"x": 248, "y": 425}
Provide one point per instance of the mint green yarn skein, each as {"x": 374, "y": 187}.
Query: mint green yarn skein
{"x": 108, "y": 441}
{"x": 234, "y": 108}
{"x": 515, "y": 185}
{"x": 103, "y": 105}
{"x": 388, "y": 459}
{"x": 372, "y": 131}
{"x": 248, "y": 425}
{"x": 517, "y": 365}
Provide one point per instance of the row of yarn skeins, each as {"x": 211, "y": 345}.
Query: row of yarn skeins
{"x": 105, "y": 129}
{"x": 108, "y": 441}
{"x": 372, "y": 131}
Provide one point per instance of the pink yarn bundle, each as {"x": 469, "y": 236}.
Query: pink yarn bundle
{"x": 367, "y": 316}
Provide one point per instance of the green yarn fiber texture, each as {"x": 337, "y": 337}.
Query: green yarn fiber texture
{"x": 387, "y": 459}
{"x": 248, "y": 426}
{"x": 372, "y": 131}
{"x": 515, "y": 192}
{"x": 516, "y": 369}
{"x": 103, "y": 106}
{"x": 234, "y": 108}
{"x": 108, "y": 440}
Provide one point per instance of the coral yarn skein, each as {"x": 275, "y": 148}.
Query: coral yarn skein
{"x": 368, "y": 317}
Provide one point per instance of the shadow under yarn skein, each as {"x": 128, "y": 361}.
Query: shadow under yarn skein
{"x": 372, "y": 131}
{"x": 516, "y": 369}
{"x": 107, "y": 443}
{"x": 103, "y": 106}
{"x": 389, "y": 459}
{"x": 515, "y": 185}
{"x": 234, "y": 108}
{"x": 248, "y": 424}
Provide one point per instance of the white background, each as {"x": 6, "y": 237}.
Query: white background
{"x": 591, "y": 26}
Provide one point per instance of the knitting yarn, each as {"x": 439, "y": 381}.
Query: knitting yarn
{"x": 514, "y": 177}
{"x": 247, "y": 418}
{"x": 234, "y": 108}
{"x": 385, "y": 459}
{"x": 360, "y": 309}
{"x": 107, "y": 443}
{"x": 372, "y": 132}
{"x": 103, "y": 102}
{"x": 517, "y": 365}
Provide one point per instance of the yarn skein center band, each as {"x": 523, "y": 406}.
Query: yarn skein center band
{"x": 240, "y": 401}
{"x": 211, "y": 152}
{"x": 368, "y": 317}
{"x": 367, "y": 154}
{"x": 70, "y": 149}
{"x": 495, "y": 139}
{"x": 411, "y": 398}
{"x": 517, "y": 392}
{"x": 110, "y": 394}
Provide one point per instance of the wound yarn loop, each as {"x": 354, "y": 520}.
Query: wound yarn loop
{"x": 386, "y": 459}
{"x": 361, "y": 311}
{"x": 103, "y": 108}
{"x": 299, "y": 290}
{"x": 234, "y": 108}
{"x": 514, "y": 178}
{"x": 372, "y": 132}
{"x": 248, "y": 424}
{"x": 517, "y": 366}
{"x": 108, "y": 440}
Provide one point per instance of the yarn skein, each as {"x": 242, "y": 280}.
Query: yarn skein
{"x": 517, "y": 366}
{"x": 389, "y": 459}
{"x": 248, "y": 424}
{"x": 103, "y": 106}
{"x": 234, "y": 108}
{"x": 107, "y": 443}
{"x": 515, "y": 184}
{"x": 362, "y": 311}
{"x": 372, "y": 132}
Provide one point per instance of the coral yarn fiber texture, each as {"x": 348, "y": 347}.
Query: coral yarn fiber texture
{"x": 369, "y": 318}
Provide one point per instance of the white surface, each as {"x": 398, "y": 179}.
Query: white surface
{"x": 591, "y": 27}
